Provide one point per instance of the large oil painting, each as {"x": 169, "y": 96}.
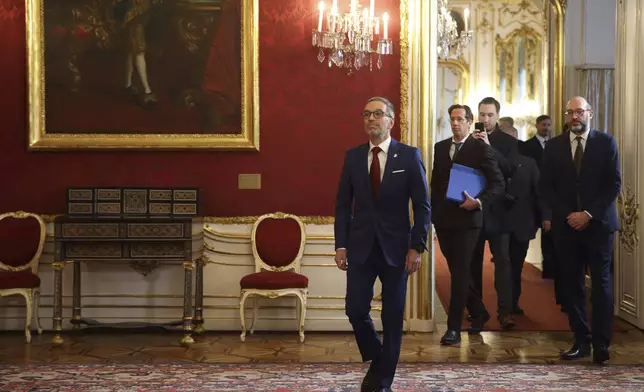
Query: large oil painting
{"x": 143, "y": 74}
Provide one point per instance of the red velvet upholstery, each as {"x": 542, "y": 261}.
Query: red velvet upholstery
{"x": 268, "y": 280}
{"x": 19, "y": 240}
{"x": 18, "y": 280}
{"x": 278, "y": 241}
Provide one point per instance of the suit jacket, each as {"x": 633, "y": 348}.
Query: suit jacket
{"x": 525, "y": 209}
{"x": 475, "y": 154}
{"x": 533, "y": 149}
{"x": 360, "y": 220}
{"x": 598, "y": 183}
{"x": 506, "y": 149}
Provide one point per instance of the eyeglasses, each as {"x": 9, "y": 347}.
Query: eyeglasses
{"x": 578, "y": 112}
{"x": 377, "y": 114}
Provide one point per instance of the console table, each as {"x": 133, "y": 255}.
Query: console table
{"x": 139, "y": 226}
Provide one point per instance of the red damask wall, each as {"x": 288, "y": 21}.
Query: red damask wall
{"x": 309, "y": 117}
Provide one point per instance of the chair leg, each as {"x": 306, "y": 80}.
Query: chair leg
{"x": 29, "y": 302}
{"x": 302, "y": 315}
{"x": 255, "y": 308}
{"x": 36, "y": 307}
{"x": 242, "y": 315}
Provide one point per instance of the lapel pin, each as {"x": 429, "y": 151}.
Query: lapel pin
{"x": 395, "y": 155}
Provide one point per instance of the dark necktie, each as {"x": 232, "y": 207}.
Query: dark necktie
{"x": 579, "y": 155}
{"x": 457, "y": 148}
{"x": 374, "y": 172}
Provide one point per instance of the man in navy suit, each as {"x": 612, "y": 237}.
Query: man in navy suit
{"x": 533, "y": 148}
{"x": 580, "y": 180}
{"x": 374, "y": 238}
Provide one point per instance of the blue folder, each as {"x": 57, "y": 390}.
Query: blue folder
{"x": 464, "y": 178}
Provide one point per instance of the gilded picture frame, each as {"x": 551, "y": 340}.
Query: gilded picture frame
{"x": 244, "y": 136}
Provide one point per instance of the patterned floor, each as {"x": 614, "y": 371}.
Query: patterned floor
{"x": 332, "y": 377}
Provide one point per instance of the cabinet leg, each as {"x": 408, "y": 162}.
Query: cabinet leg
{"x": 76, "y": 298}
{"x": 187, "y": 304}
{"x": 58, "y": 302}
{"x": 198, "y": 317}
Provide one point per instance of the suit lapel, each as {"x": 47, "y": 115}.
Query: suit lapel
{"x": 566, "y": 148}
{"x": 392, "y": 154}
{"x": 363, "y": 164}
{"x": 589, "y": 150}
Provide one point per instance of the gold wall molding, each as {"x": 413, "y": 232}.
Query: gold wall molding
{"x": 245, "y": 220}
{"x": 628, "y": 216}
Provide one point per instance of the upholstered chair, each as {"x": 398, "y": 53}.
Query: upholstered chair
{"x": 22, "y": 238}
{"x": 278, "y": 242}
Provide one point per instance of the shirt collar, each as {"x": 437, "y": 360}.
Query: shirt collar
{"x": 384, "y": 146}
{"x": 584, "y": 136}
{"x": 541, "y": 139}
{"x": 462, "y": 141}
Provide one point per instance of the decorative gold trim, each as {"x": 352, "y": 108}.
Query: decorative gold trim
{"x": 404, "y": 72}
{"x": 245, "y": 220}
{"x": 628, "y": 216}
{"x": 39, "y": 139}
{"x": 464, "y": 73}
{"x": 556, "y": 100}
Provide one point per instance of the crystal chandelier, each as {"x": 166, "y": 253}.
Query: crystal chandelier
{"x": 348, "y": 38}
{"x": 449, "y": 39}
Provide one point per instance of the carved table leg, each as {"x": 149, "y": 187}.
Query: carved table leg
{"x": 76, "y": 299}
{"x": 198, "y": 317}
{"x": 58, "y": 302}
{"x": 187, "y": 304}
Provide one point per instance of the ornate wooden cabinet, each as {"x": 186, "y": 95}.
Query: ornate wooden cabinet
{"x": 138, "y": 226}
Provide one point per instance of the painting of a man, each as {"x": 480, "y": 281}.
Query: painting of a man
{"x": 133, "y": 16}
{"x": 143, "y": 66}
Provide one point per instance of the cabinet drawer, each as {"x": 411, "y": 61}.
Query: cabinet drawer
{"x": 90, "y": 230}
{"x": 155, "y": 230}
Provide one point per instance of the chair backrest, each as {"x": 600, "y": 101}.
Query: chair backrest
{"x": 278, "y": 242}
{"x": 22, "y": 238}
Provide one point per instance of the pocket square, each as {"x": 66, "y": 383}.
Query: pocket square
{"x": 397, "y": 171}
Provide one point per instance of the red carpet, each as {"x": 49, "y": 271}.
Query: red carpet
{"x": 316, "y": 377}
{"x": 537, "y": 297}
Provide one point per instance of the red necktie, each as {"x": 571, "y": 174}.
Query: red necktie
{"x": 374, "y": 172}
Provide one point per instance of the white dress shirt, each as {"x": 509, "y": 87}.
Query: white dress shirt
{"x": 382, "y": 156}
{"x": 452, "y": 148}
{"x": 573, "y": 142}
{"x": 542, "y": 140}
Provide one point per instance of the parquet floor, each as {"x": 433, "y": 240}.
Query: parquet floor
{"x": 163, "y": 347}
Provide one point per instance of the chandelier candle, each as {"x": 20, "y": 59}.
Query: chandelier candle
{"x": 347, "y": 40}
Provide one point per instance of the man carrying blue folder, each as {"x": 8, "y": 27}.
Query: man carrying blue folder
{"x": 458, "y": 224}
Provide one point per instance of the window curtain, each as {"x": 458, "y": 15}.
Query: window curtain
{"x": 597, "y": 86}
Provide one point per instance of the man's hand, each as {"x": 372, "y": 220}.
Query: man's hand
{"x": 413, "y": 261}
{"x": 546, "y": 225}
{"x": 481, "y": 136}
{"x": 578, "y": 220}
{"x": 470, "y": 203}
{"x": 341, "y": 259}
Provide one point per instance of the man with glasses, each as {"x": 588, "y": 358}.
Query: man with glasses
{"x": 580, "y": 180}
{"x": 373, "y": 237}
{"x": 458, "y": 225}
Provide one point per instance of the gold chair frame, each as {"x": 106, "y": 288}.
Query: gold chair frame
{"x": 260, "y": 265}
{"x": 32, "y": 295}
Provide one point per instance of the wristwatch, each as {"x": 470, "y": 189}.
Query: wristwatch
{"x": 419, "y": 248}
